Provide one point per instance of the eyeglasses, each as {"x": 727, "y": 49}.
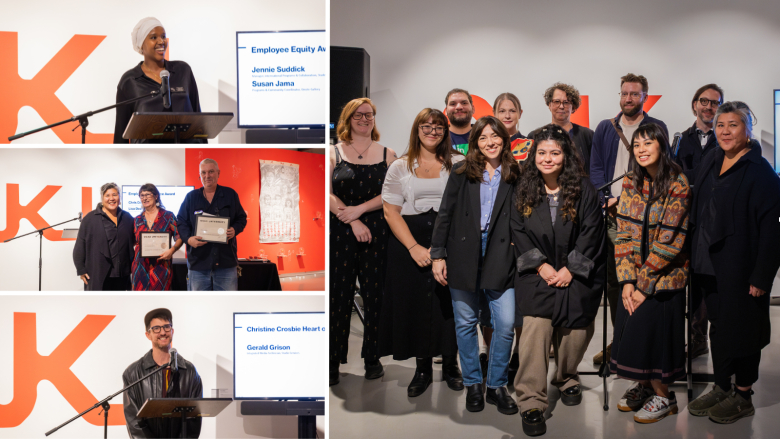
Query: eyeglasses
{"x": 704, "y": 102}
{"x": 156, "y": 329}
{"x": 634, "y": 94}
{"x": 558, "y": 103}
{"x": 142, "y": 196}
{"x": 427, "y": 129}
{"x": 358, "y": 116}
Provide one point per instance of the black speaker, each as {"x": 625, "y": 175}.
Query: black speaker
{"x": 350, "y": 78}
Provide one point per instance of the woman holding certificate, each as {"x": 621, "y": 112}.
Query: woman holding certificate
{"x": 153, "y": 229}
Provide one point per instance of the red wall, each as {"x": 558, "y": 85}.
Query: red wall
{"x": 240, "y": 170}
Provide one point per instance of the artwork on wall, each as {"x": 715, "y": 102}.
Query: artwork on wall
{"x": 280, "y": 217}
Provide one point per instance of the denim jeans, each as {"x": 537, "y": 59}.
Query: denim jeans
{"x": 220, "y": 279}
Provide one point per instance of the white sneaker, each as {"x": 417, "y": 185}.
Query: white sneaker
{"x": 635, "y": 397}
{"x": 657, "y": 409}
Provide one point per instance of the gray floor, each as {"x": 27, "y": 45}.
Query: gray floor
{"x": 380, "y": 409}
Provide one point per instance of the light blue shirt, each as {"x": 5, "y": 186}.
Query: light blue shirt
{"x": 487, "y": 196}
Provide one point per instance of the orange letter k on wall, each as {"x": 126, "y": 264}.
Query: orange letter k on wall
{"x": 30, "y": 368}
{"x": 38, "y": 92}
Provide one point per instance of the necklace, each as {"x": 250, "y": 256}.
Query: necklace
{"x": 360, "y": 154}
{"x": 555, "y": 194}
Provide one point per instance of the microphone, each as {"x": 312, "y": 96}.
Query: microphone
{"x": 174, "y": 364}
{"x": 165, "y": 88}
{"x": 676, "y": 143}
{"x": 80, "y": 217}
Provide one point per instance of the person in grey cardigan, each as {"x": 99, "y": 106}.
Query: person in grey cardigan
{"x": 103, "y": 253}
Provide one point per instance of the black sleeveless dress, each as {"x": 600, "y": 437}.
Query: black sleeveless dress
{"x": 351, "y": 260}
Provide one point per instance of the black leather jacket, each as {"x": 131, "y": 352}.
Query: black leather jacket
{"x": 189, "y": 386}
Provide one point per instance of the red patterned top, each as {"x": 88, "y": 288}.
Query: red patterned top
{"x": 151, "y": 274}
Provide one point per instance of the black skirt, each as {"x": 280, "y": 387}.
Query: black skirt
{"x": 417, "y": 318}
{"x": 650, "y": 345}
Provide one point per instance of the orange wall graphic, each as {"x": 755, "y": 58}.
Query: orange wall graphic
{"x": 15, "y": 212}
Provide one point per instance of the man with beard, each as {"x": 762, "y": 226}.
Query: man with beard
{"x": 459, "y": 110}
{"x": 182, "y": 382}
{"x": 610, "y": 154}
{"x": 696, "y": 142}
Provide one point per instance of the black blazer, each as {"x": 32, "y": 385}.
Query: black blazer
{"x": 457, "y": 235}
{"x": 690, "y": 154}
{"x": 91, "y": 254}
{"x": 577, "y": 245}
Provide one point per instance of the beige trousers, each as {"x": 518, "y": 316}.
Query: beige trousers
{"x": 569, "y": 346}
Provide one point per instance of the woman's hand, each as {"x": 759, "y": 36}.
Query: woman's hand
{"x": 562, "y": 278}
{"x": 756, "y": 292}
{"x": 628, "y": 290}
{"x": 84, "y": 278}
{"x": 361, "y": 231}
{"x": 637, "y": 298}
{"x": 350, "y": 213}
{"x": 547, "y": 272}
{"x": 440, "y": 271}
{"x": 167, "y": 254}
{"x": 421, "y": 255}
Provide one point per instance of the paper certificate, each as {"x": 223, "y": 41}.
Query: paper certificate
{"x": 153, "y": 244}
{"x": 212, "y": 228}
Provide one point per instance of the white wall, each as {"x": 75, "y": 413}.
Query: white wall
{"x": 203, "y": 335}
{"x": 33, "y": 169}
{"x": 420, "y": 50}
{"x": 202, "y": 33}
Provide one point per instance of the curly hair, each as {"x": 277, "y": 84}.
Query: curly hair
{"x": 475, "y": 159}
{"x": 530, "y": 191}
{"x": 572, "y": 94}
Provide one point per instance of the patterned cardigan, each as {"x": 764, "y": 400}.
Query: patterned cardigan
{"x": 666, "y": 267}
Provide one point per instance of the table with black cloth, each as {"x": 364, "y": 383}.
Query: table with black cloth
{"x": 255, "y": 276}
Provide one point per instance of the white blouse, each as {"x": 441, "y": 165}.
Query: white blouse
{"x": 415, "y": 195}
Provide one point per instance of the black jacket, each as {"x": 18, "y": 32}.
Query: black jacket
{"x": 583, "y": 140}
{"x": 691, "y": 153}
{"x": 91, "y": 254}
{"x": 189, "y": 386}
{"x": 457, "y": 235}
{"x": 743, "y": 249}
{"x": 577, "y": 245}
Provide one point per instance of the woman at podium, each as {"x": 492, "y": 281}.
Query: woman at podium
{"x": 149, "y": 39}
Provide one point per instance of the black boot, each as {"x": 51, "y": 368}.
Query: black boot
{"x": 572, "y": 395}
{"x": 501, "y": 398}
{"x": 451, "y": 372}
{"x": 475, "y": 400}
{"x": 533, "y": 422}
{"x": 374, "y": 370}
{"x": 422, "y": 377}
{"x": 333, "y": 370}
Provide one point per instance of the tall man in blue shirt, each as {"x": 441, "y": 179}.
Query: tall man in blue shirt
{"x": 211, "y": 266}
{"x": 609, "y": 159}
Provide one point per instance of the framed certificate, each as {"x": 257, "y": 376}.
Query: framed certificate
{"x": 212, "y": 228}
{"x": 153, "y": 244}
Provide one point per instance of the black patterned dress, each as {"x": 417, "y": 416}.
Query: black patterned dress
{"x": 351, "y": 260}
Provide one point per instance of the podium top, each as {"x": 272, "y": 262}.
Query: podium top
{"x": 173, "y": 407}
{"x": 189, "y": 125}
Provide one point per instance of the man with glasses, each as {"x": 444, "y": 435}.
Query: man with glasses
{"x": 563, "y": 100}
{"x": 460, "y": 109}
{"x": 609, "y": 159}
{"x": 211, "y": 266}
{"x": 179, "y": 380}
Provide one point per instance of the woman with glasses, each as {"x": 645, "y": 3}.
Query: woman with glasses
{"x": 472, "y": 254}
{"x": 358, "y": 232}
{"x": 104, "y": 247}
{"x": 153, "y": 274}
{"x": 417, "y": 320}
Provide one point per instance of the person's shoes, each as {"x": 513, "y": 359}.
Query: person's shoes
{"x": 437, "y": 360}
{"x": 514, "y": 365}
{"x": 374, "y": 370}
{"x": 334, "y": 377}
{"x": 599, "y": 358}
{"x": 572, "y": 395}
{"x": 634, "y": 398}
{"x": 732, "y": 409}
{"x": 699, "y": 348}
{"x": 701, "y": 406}
{"x": 452, "y": 376}
{"x": 533, "y": 422}
{"x": 501, "y": 398}
{"x": 419, "y": 383}
{"x": 475, "y": 400}
{"x": 483, "y": 363}
{"x": 656, "y": 409}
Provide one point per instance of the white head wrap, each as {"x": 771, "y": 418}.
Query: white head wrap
{"x": 141, "y": 31}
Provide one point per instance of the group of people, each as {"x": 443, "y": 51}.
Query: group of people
{"x": 477, "y": 225}
{"x": 107, "y": 253}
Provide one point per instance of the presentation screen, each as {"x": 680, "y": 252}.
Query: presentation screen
{"x": 170, "y": 196}
{"x": 279, "y": 355}
{"x": 282, "y": 79}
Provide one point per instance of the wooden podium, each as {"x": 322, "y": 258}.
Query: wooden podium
{"x": 176, "y": 126}
{"x": 183, "y": 408}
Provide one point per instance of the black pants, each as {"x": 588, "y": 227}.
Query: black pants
{"x": 121, "y": 283}
{"x": 699, "y": 322}
{"x": 744, "y": 369}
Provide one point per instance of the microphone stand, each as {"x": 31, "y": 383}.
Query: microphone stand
{"x": 82, "y": 119}
{"x": 104, "y": 404}
{"x": 40, "y": 249}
